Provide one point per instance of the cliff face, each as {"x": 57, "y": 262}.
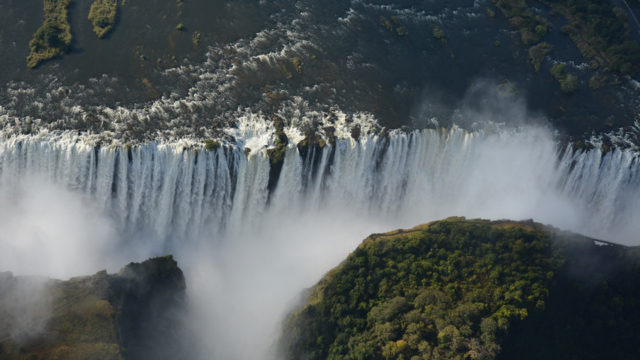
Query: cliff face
{"x": 130, "y": 315}
{"x": 472, "y": 289}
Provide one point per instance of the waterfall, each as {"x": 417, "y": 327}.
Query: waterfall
{"x": 173, "y": 193}
{"x": 248, "y": 250}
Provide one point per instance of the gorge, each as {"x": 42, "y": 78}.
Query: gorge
{"x": 247, "y": 249}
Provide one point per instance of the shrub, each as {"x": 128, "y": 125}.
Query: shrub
{"x": 102, "y": 15}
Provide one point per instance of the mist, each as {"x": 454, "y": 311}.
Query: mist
{"x": 49, "y": 230}
{"x": 246, "y": 280}
{"x": 248, "y": 256}
{"x": 247, "y": 284}
{"x": 25, "y": 306}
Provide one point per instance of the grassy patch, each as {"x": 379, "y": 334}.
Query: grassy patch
{"x": 53, "y": 38}
{"x": 103, "y": 16}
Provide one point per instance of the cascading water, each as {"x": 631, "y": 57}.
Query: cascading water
{"x": 173, "y": 193}
{"x": 248, "y": 253}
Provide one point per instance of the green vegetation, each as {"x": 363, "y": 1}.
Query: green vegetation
{"x": 386, "y": 23}
{"x": 597, "y": 81}
{"x": 601, "y": 32}
{"x": 211, "y": 144}
{"x": 532, "y": 27}
{"x": 53, "y": 38}
{"x": 438, "y": 33}
{"x": 91, "y": 317}
{"x": 459, "y": 289}
{"x": 599, "y": 29}
{"x": 195, "y": 39}
{"x": 394, "y": 26}
{"x": 103, "y": 16}
{"x": 593, "y": 310}
{"x": 277, "y": 153}
{"x": 445, "y": 290}
{"x": 297, "y": 64}
{"x": 311, "y": 141}
{"x": 82, "y": 325}
{"x": 537, "y": 53}
{"x": 568, "y": 82}
{"x": 402, "y": 31}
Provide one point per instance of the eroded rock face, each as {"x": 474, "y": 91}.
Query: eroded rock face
{"x": 150, "y": 297}
{"x": 134, "y": 314}
{"x": 473, "y": 289}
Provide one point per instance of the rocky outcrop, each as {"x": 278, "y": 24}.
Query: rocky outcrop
{"x": 135, "y": 314}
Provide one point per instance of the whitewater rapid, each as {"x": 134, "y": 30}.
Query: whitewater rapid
{"x": 248, "y": 251}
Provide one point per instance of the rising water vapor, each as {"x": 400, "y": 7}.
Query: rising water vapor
{"x": 50, "y": 230}
{"x": 247, "y": 253}
{"x": 25, "y": 307}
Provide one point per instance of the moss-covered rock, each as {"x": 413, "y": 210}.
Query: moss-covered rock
{"x": 312, "y": 141}
{"x": 276, "y": 154}
{"x": 211, "y": 145}
{"x": 455, "y": 289}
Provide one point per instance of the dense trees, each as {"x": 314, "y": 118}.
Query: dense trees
{"x": 473, "y": 289}
{"x": 53, "y": 38}
{"x": 447, "y": 290}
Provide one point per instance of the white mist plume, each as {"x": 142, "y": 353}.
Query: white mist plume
{"x": 244, "y": 286}
{"x": 25, "y": 307}
{"x": 245, "y": 258}
{"x": 49, "y": 230}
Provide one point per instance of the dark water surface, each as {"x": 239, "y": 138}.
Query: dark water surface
{"x": 378, "y": 57}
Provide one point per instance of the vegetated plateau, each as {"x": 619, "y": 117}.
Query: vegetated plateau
{"x": 473, "y": 289}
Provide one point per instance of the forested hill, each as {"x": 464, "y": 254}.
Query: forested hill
{"x": 473, "y": 289}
